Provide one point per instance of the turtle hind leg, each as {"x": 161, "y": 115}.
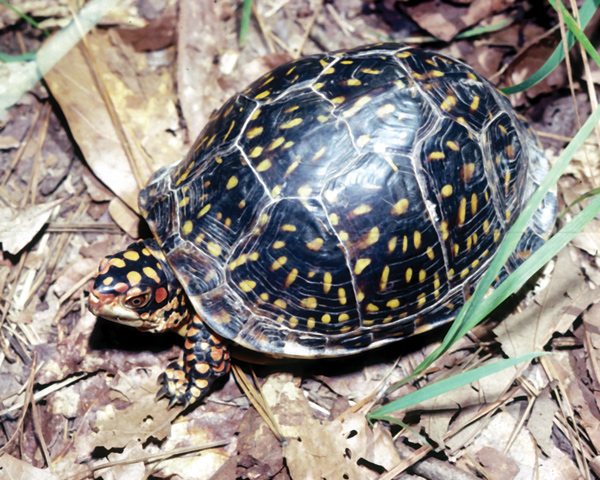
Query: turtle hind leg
{"x": 205, "y": 358}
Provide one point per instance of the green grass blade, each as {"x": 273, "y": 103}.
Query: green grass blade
{"x": 462, "y": 324}
{"x": 245, "y": 21}
{"x": 448, "y": 384}
{"x": 575, "y": 30}
{"x": 585, "y": 14}
{"x": 25, "y": 17}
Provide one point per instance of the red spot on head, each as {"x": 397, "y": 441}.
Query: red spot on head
{"x": 121, "y": 287}
{"x": 160, "y": 295}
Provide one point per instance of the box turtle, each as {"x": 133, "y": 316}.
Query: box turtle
{"x": 342, "y": 201}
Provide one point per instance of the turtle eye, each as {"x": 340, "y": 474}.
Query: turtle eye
{"x": 137, "y": 301}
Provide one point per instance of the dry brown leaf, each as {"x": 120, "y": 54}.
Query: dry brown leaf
{"x": 200, "y": 38}
{"x": 124, "y": 217}
{"x": 144, "y": 103}
{"x": 562, "y": 301}
{"x": 322, "y": 449}
{"x": 496, "y": 464}
{"x": 19, "y": 226}
{"x": 496, "y": 434}
{"x": 541, "y": 420}
{"x": 14, "y": 469}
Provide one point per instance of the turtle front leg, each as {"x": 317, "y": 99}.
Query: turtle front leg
{"x": 205, "y": 358}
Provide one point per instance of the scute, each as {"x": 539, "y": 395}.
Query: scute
{"x": 345, "y": 200}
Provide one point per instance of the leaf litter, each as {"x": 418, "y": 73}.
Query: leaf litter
{"x": 95, "y": 382}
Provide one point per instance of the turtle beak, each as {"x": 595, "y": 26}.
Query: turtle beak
{"x": 94, "y": 304}
{"x": 109, "y": 307}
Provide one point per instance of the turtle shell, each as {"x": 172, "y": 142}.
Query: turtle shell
{"x": 347, "y": 199}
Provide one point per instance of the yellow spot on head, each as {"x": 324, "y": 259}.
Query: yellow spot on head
{"x": 131, "y": 255}
{"x": 134, "y": 278}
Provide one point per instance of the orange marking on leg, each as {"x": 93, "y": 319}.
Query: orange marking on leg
{"x": 216, "y": 354}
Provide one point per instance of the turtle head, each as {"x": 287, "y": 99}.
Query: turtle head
{"x": 136, "y": 287}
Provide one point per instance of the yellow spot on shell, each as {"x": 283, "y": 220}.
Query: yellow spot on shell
{"x": 310, "y": 303}
{"x": 464, "y": 273}
{"x": 262, "y": 95}
{"x": 361, "y": 209}
{"x": 264, "y": 165}
{"x": 247, "y": 285}
{"x": 384, "y": 278}
{"x": 280, "y": 303}
{"x": 422, "y": 275}
{"x": 288, "y": 227}
{"x": 353, "y": 82}
{"x": 305, "y": 190}
{"x": 361, "y": 264}
{"x": 213, "y": 249}
{"x": 360, "y": 103}
{"x": 327, "y": 279}
{"x": 392, "y": 244}
{"x": 338, "y": 100}
{"x": 330, "y": 196}
{"x": 448, "y": 103}
{"x": 264, "y": 297}
{"x": 393, "y": 303}
{"x": 276, "y": 190}
{"x": 436, "y": 156}
{"x": 400, "y": 206}
{"x": 310, "y": 323}
{"x": 187, "y": 228}
{"x": 254, "y": 132}
{"x": 447, "y": 190}
{"x": 277, "y": 264}
{"x": 233, "y": 181}
{"x": 475, "y": 103}
{"x": 204, "y": 210}
{"x": 292, "y": 167}
{"x": 278, "y": 244}
{"x": 370, "y": 71}
{"x": 452, "y": 145}
{"x": 291, "y": 278}
{"x": 292, "y": 123}
{"x": 372, "y": 308}
{"x": 334, "y": 219}
{"x": 421, "y": 300}
{"x": 430, "y": 253}
{"x": 385, "y": 110}
{"x": 315, "y": 244}
{"x": 486, "y": 227}
{"x": 344, "y": 317}
{"x": 276, "y": 143}
{"x": 255, "y": 152}
{"x": 293, "y": 322}
{"x": 343, "y": 236}
{"x": 342, "y": 296}
{"x": 326, "y": 318}
{"x": 408, "y": 275}
{"x": 444, "y": 228}
{"x": 134, "y": 278}
{"x": 133, "y": 256}
{"x": 474, "y": 204}
{"x": 363, "y": 140}
{"x": 253, "y": 256}
{"x": 417, "y": 239}
{"x": 462, "y": 211}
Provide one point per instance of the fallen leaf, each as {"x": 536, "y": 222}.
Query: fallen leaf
{"x": 19, "y": 226}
